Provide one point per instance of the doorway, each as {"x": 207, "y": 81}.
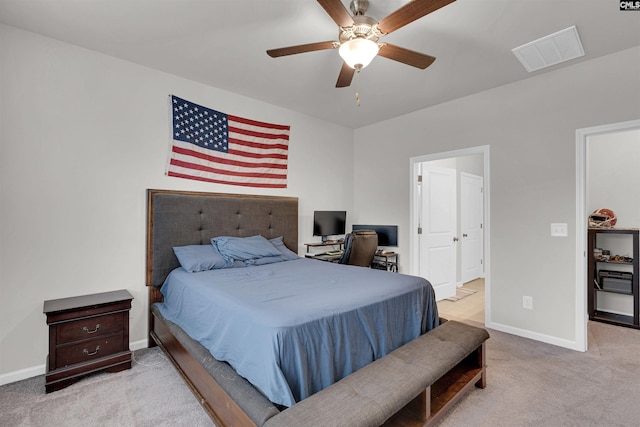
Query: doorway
{"x": 582, "y": 211}
{"x": 461, "y": 160}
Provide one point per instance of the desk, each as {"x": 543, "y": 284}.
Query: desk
{"x": 338, "y": 243}
{"x": 324, "y": 257}
{"x": 385, "y": 261}
{"x": 330, "y": 258}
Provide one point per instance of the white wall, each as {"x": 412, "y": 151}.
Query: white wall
{"x": 82, "y": 137}
{"x": 530, "y": 127}
{"x": 613, "y": 171}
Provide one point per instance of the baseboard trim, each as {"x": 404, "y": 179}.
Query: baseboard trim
{"x": 137, "y": 345}
{"x": 22, "y": 374}
{"x": 560, "y": 342}
{"x": 34, "y": 371}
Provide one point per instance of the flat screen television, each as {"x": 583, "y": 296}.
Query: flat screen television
{"x": 329, "y": 223}
{"x": 387, "y": 234}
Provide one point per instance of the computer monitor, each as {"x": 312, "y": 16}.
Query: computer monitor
{"x": 387, "y": 234}
{"x": 329, "y": 223}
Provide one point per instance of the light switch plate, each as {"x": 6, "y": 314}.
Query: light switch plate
{"x": 559, "y": 229}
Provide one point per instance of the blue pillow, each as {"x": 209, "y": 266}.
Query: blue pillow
{"x": 287, "y": 253}
{"x": 244, "y": 248}
{"x": 194, "y": 258}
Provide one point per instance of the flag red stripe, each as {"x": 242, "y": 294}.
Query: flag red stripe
{"x": 258, "y": 144}
{"x": 195, "y": 166}
{"x": 257, "y": 155}
{"x": 220, "y": 181}
{"x": 257, "y": 123}
{"x": 222, "y": 160}
{"x": 256, "y": 134}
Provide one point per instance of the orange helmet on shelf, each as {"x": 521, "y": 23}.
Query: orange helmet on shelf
{"x": 602, "y": 218}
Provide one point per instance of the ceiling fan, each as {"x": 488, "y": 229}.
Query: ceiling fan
{"x": 358, "y": 36}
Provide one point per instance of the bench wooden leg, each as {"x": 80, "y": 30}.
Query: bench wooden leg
{"x": 421, "y": 405}
{"x": 481, "y": 354}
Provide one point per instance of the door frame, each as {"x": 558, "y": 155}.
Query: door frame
{"x": 414, "y": 163}
{"x": 582, "y": 135}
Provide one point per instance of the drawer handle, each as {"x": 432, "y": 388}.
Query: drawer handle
{"x": 85, "y": 351}
{"x": 85, "y": 329}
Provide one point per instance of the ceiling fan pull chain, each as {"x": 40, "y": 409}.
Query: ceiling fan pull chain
{"x": 358, "y": 88}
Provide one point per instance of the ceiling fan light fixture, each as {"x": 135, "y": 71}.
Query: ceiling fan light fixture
{"x": 358, "y": 52}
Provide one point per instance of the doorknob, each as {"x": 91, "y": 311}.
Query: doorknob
{"x": 464, "y": 235}
{"x": 455, "y": 239}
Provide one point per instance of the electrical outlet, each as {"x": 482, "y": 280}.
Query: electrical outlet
{"x": 527, "y": 302}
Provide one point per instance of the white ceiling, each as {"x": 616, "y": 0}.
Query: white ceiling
{"x": 222, "y": 43}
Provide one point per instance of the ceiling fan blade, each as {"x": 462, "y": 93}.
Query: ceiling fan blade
{"x": 408, "y": 13}
{"x": 345, "y": 76}
{"x": 406, "y": 56}
{"x": 337, "y": 12}
{"x": 310, "y": 47}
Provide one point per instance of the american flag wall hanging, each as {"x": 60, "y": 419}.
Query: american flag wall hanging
{"x": 207, "y": 145}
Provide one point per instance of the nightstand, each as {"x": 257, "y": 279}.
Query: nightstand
{"x": 87, "y": 334}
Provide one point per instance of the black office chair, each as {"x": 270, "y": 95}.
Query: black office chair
{"x": 359, "y": 248}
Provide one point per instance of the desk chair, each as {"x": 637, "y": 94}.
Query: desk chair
{"x": 359, "y": 248}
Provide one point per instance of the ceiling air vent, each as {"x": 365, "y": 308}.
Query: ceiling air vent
{"x": 550, "y": 50}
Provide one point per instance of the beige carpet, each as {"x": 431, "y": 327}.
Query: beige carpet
{"x": 535, "y": 384}
{"x": 529, "y": 384}
{"x": 151, "y": 393}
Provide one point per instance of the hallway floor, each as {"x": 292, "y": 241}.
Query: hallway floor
{"x": 470, "y": 308}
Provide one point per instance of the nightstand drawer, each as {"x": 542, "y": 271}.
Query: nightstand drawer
{"x": 91, "y": 327}
{"x": 89, "y": 350}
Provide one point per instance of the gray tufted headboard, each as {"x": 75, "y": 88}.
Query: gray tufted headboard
{"x": 178, "y": 218}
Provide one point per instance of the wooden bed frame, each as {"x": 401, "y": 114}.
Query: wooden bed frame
{"x": 178, "y": 218}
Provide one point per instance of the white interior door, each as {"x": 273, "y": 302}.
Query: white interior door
{"x": 437, "y": 242}
{"x": 471, "y": 219}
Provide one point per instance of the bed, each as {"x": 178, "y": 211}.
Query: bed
{"x": 179, "y": 219}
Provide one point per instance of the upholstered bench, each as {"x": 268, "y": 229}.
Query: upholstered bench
{"x": 412, "y": 386}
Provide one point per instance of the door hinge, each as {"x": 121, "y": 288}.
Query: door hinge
{"x": 480, "y": 226}
{"x": 480, "y": 262}
{"x": 482, "y": 189}
{"x": 419, "y": 178}
{"x": 419, "y": 230}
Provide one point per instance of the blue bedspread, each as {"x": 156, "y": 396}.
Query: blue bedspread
{"x": 293, "y": 328}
